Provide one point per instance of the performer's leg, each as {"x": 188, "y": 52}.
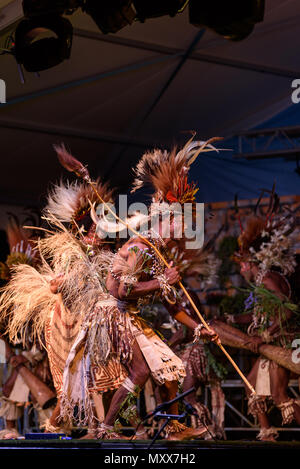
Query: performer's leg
{"x": 55, "y": 420}
{"x": 10, "y": 431}
{"x": 11, "y": 424}
{"x": 168, "y": 392}
{"x": 204, "y": 421}
{"x": 55, "y": 424}
{"x": 10, "y": 412}
{"x": 257, "y": 408}
{"x": 175, "y": 430}
{"x": 98, "y": 412}
{"x": 138, "y": 373}
{"x": 289, "y": 408}
{"x": 188, "y": 383}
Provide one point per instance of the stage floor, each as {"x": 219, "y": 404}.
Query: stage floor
{"x": 137, "y": 445}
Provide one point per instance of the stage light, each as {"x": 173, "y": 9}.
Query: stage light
{"x": 44, "y": 38}
{"x": 110, "y": 15}
{"x": 233, "y": 19}
{"x": 43, "y": 42}
{"x": 34, "y": 8}
{"x": 155, "y": 8}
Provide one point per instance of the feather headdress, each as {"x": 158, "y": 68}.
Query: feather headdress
{"x": 167, "y": 172}
{"x": 26, "y": 301}
{"x": 71, "y": 202}
{"x": 22, "y": 250}
{"x": 265, "y": 239}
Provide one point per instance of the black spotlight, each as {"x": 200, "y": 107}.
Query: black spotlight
{"x": 43, "y": 42}
{"x": 110, "y": 15}
{"x": 154, "y": 8}
{"x": 49, "y": 7}
{"x": 233, "y": 19}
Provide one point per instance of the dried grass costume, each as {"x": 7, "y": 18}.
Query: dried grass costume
{"x": 76, "y": 328}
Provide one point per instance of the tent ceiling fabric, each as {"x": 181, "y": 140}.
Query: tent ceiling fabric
{"x": 99, "y": 102}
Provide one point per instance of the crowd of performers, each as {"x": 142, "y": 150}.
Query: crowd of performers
{"x": 80, "y": 314}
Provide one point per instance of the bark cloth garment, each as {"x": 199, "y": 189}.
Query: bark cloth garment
{"x": 75, "y": 373}
{"x": 63, "y": 334}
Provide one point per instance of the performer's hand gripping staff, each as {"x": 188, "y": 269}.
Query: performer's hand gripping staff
{"x": 73, "y": 165}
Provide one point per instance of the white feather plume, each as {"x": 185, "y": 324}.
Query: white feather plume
{"x": 63, "y": 200}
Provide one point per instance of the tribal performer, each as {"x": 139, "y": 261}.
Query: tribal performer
{"x": 94, "y": 338}
{"x": 64, "y": 301}
{"x": 137, "y": 274}
{"x": 266, "y": 259}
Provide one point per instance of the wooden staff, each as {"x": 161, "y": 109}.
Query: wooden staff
{"x": 73, "y": 165}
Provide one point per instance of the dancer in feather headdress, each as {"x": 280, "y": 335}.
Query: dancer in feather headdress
{"x": 266, "y": 258}
{"x": 137, "y": 274}
{"x": 80, "y": 286}
{"x": 62, "y": 300}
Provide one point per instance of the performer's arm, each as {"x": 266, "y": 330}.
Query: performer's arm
{"x": 239, "y": 318}
{"x": 143, "y": 288}
{"x": 181, "y": 316}
{"x": 273, "y": 285}
{"x": 126, "y": 291}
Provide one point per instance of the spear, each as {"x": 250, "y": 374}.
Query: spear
{"x": 73, "y": 165}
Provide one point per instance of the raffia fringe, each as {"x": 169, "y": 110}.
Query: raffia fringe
{"x": 288, "y": 411}
{"x": 85, "y": 413}
{"x": 109, "y": 333}
{"x": 257, "y": 405}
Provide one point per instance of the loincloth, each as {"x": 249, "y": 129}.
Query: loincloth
{"x": 163, "y": 363}
{"x": 263, "y": 385}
